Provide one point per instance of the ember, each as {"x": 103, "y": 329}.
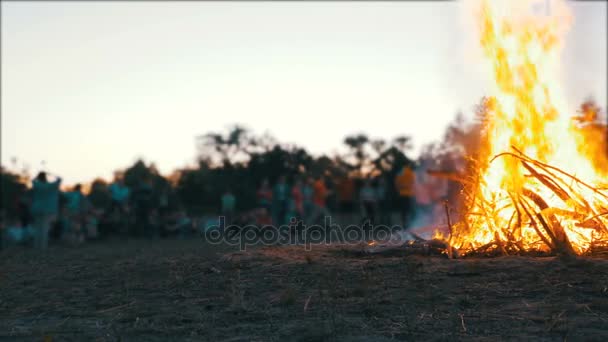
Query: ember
{"x": 534, "y": 187}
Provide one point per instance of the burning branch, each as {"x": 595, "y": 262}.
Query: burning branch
{"x": 546, "y": 222}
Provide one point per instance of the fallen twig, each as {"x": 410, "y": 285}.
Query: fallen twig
{"x": 306, "y": 303}
{"x": 464, "y": 328}
{"x": 116, "y": 307}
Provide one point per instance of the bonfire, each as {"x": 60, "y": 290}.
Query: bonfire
{"x": 535, "y": 187}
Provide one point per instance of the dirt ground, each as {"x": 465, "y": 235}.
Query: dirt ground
{"x": 187, "y": 290}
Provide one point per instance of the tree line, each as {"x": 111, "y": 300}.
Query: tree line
{"x": 239, "y": 160}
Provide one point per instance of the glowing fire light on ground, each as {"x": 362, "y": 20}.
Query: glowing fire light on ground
{"x": 534, "y": 189}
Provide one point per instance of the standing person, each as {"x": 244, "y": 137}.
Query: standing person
{"x": 23, "y": 205}
{"x": 22, "y": 219}
{"x": 264, "y": 195}
{"x": 423, "y": 188}
{"x": 307, "y": 199}
{"x": 91, "y": 220}
{"x": 76, "y": 211}
{"x": 404, "y": 184}
{"x": 298, "y": 199}
{"x": 164, "y": 209}
{"x": 119, "y": 194}
{"x": 143, "y": 204}
{"x": 60, "y": 224}
{"x": 382, "y": 206}
{"x": 367, "y": 195}
{"x": 45, "y": 206}
{"x": 345, "y": 188}
{"x": 319, "y": 200}
{"x": 228, "y": 205}
{"x": 280, "y": 197}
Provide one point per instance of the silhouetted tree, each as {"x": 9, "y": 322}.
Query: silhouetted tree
{"x": 229, "y": 147}
{"x": 357, "y": 144}
{"x": 403, "y": 143}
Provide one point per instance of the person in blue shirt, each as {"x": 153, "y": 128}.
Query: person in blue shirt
{"x": 280, "y": 199}
{"x": 367, "y": 196}
{"x": 228, "y": 208}
{"x": 75, "y": 212}
{"x": 119, "y": 193}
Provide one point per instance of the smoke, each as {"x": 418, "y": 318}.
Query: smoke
{"x": 429, "y": 212}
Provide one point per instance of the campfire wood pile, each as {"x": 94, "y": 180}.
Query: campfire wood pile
{"x": 589, "y": 210}
{"x": 530, "y": 210}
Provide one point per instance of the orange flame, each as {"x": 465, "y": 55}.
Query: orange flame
{"x": 527, "y": 112}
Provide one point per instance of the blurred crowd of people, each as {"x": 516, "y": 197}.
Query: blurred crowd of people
{"x": 45, "y": 212}
{"x": 421, "y": 195}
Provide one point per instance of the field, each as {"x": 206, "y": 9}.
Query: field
{"x": 187, "y": 290}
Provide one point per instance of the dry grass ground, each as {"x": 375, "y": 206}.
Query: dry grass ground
{"x": 186, "y": 290}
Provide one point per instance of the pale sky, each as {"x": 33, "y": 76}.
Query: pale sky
{"x": 91, "y": 86}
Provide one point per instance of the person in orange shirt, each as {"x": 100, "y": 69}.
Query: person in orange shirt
{"x": 346, "y": 194}
{"x": 297, "y": 199}
{"x": 404, "y": 184}
{"x": 319, "y": 193}
{"x": 319, "y": 198}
